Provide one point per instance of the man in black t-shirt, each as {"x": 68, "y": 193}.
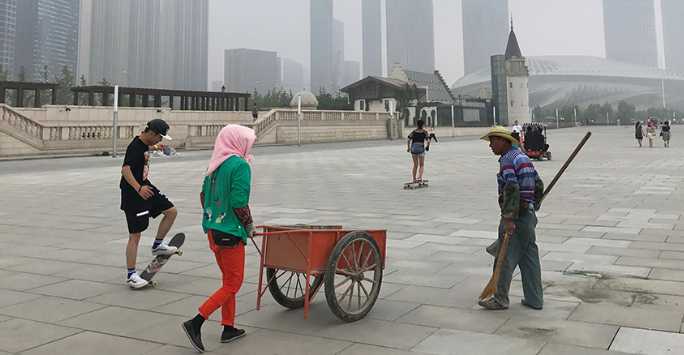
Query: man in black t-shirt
{"x": 141, "y": 200}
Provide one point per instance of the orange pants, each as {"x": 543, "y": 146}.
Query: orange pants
{"x": 231, "y": 261}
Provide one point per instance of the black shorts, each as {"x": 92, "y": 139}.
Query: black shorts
{"x": 139, "y": 219}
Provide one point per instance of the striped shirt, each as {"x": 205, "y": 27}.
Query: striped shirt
{"x": 516, "y": 168}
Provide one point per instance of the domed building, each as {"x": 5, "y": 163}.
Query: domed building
{"x": 309, "y": 101}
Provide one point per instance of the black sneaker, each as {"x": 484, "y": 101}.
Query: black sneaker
{"x": 231, "y": 333}
{"x": 194, "y": 335}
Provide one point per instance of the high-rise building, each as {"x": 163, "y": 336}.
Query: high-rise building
{"x": 321, "y": 17}
{"x": 184, "y": 44}
{"x": 630, "y": 31}
{"x": 372, "y": 37}
{"x": 410, "y": 34}
{"x": 149, "y": 43}
{"x": 673, "y": 28}
{"x": 46, "y": 37}
{"x": 485, "y": 26}
{"x": 351, "y": 72}
{"x": 8, "y": 35}
{"x": 293, "y": 75}
{"x": 338, "y": 54}
{"x": 247, "y": 70}
{"x": 104, "y": 41}
{"x": 144, "y": 53}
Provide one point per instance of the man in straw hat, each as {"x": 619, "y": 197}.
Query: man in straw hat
{"x": 516, "y": 186}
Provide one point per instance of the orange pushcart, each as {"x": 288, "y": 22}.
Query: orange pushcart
{"x": 299, "y": 259}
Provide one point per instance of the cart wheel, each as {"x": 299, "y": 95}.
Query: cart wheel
{"x": 287, "y": 287}
{"x": 354, "y": 276}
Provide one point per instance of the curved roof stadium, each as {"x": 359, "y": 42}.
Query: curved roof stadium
{"x": 583, "y": 80}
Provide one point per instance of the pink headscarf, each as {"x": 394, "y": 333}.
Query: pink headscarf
{"x": 232, "y": 140}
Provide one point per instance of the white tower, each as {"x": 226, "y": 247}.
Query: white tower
{"x": 510, "y": 91}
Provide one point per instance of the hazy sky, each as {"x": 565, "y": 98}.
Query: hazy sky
{"x": 543, "y": 27}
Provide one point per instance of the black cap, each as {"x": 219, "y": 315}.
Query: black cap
{"x": 158, "y": 125}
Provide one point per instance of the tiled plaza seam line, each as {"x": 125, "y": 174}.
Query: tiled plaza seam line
{"x": 51, "y": 341}
{"x": 351, "y": 345}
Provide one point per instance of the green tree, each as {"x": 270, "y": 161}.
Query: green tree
{"x": 65, "y": 81}
{"x": 626, "y": 112}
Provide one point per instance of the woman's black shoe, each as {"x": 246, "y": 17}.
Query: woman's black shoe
{"x": 231, "y": 333}
{"x": 193, "y": 333}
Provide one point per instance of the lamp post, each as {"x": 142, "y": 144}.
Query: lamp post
{"x": 115, "y": 119}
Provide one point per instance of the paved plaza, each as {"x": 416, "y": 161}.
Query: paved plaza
{"x": 611, "y": 236}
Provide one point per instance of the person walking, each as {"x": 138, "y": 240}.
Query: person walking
{"x": 418, "y": 142}
{"x": 638, "y": 132}
{"x": 665, "y": 133}
{"x": 227, "y": 220}
{"x": 650, "y": 132}
{"x": 518, "y": 188}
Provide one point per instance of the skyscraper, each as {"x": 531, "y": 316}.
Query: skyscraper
{"x": 322, "y": 77}
{"x": 338, "y": 54}
{"x": 144, "y": 53}
{"x": 293, "y": 75}
{"x": 372, "y": 37}
{"x": 8, "y": 35}
{"x": 247, "y": 70}
{"x": 184, "y": 44}
{"x": 485, "y": 25}
{"x": 673, "y": 28}
{"x": 630, "y": 31}
{"x": 46, "y": 37}
{"x": 410, "y": 34}
{"x": 104, "y": 41}
{"x": 351, "y": 72}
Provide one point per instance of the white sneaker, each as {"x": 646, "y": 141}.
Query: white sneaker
{"x": 164, "y": 249}
{"x": 135, "y": 281}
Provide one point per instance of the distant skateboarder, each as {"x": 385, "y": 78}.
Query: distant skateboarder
{"x": 418, "y": 142}
{"x": 141, "y": 200}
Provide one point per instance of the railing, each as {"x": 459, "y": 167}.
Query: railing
{"x": 21, "y": 123}
{"x": 205, "y": 130}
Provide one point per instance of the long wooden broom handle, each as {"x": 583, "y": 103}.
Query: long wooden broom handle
{"x": 565, "y": 166}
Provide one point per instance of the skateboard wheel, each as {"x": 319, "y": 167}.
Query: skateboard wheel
{"x": 153, "y": 284}
{"x": 179, "y": 252}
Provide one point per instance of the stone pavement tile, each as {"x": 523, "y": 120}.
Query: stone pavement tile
{"x": 458, "y": 342}
{"x": 49, "y": 309}
{"x": 554, "y": 239}
{"x": 580, "y": 258}
{"x": 425, "y": 278}
{"x": 667, "y": 274}
{"x": 479, "y": 321}
{"x": 564, "y": 349}
{"x": 658, "y": 246}
{"x": 391, "y": 310}
{"x": 642, "y": 316}
{"x": 19, "y": 334}
{"x": 7, "y": 261}
{"x": 89, "y": 343}
{"x": 651, "y": 262}
{"x": 140, "y": 299}
{"x": 8, "y": 297}
{"x": 622, "y": 230}
{"x": 77, "y": 289}
{"x": 475, "y": 234}
{"x": 647, "y": 286}
{"x": 549, "y": 265}
{"x": 599, "y": 242}
{"x": 439, "y": 239}
{"x": 4, "y": 318}
{"x": 636, "y": 237}
{"x": 20, "y": 281}
{"x": 545, "y": 247}
{"x": 558, "y": 226}
{"x": 620, "y": 251}
{"x": 265, "y": 342}
{"x": 45, "y": 267}
{"x": 560, "y": 331}
{"x": 672, "y": 255}
{"x": 456, "y": 249}
{"x": 361, "y": 349}
{"x": 642, "y": 341}
{"x": 169, "y": 332}
{"x": 97, "y": 273}
{"x": 609, "y": 270}
{"x": 553, "y": 309}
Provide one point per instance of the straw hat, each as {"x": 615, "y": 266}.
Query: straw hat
{"x": 502, "y": 132}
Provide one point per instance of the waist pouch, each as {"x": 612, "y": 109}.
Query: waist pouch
{"x": 224, "y": 239}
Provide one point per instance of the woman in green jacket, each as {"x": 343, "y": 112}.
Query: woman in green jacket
{"x": 227, "y": 220}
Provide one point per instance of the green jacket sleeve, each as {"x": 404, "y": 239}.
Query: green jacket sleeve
{"x": 510, "y": 204}
{"x": 241, "y": 182}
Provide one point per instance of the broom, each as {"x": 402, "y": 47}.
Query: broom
{"x": 490, "y": 288}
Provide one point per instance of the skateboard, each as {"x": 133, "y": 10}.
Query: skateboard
{"x": 159, "y": 260}
{"x": 415, "y": 185}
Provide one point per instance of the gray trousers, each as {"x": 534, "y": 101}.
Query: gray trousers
{"x": 523, "y": 253}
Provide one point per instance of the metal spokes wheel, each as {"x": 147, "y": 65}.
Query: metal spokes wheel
{"x": 353, "y": 276}
{"x": 287, "y": 287}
